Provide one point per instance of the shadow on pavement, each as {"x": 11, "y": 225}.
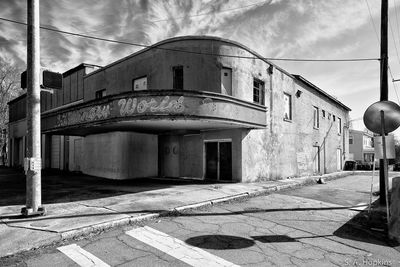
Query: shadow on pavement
{"x": 367, "y": 227}
{"x": 249, "y": 211}
{"x": 61, "y": 187}
{"x": 220, "y": 242}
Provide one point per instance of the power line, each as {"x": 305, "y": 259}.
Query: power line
{"x": 394, "y": 41}
{"x": 397, "y": 53}
{"x": 377, "y": 37}
{"x": 394, "y": 85}
{"x": 397, "y": 19}
{"x": 190, "y": 16}
{"x": 191, "y": 52}
{"x": 372, "y": 21}
{"x": 212, "y": 12}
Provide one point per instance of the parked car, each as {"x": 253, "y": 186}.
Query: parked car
{"x": 350, "y": 165}
{"x": 366, "y": 166}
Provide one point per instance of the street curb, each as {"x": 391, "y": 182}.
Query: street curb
{"x": 297, "y": 182}
{"x": 285, "y": 184}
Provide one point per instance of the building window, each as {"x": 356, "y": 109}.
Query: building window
{"x": 369, "y": 157}
{"x": 334, "y": 118}
{"x": 139, "y": 84}
{"x": 350, "y": 140}
{"x": 100, "y": 93}
{"x": 226, "y": 81}
{"x": 258, "y": 92}
{"x": 339, "y": 126}
{"x": 178, "y": 77}
{"x": 323, "y": 113}
{"x": 367, "y": 141}
{"x": 329, "y": 116}
{"x": 316, "y": 118}
{"x": 288, "y": 106}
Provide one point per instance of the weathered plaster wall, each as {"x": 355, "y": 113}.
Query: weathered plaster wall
{"x": 284, "y": 148}
{"x": 169, "y": 149}
{"x": 75, "y": 153}
{"x": 120, "y": 155}
{"x": 192, "y": 160}
{"x": 16, "y": 144}
{"x": 288, "y": 148}
{"x": 201, "y": 73}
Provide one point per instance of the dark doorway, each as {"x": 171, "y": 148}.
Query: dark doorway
{"x": 225, "y": 161}
{"x": 212, "y": 160}
{"x": 218, "y": 160}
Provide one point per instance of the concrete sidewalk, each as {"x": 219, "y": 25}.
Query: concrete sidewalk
{"x": 72, "y": 219}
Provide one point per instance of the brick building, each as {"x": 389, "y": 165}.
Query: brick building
{"x": 194, "y": 106}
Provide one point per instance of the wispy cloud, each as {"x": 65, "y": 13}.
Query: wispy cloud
{"x": 275, "y": 28}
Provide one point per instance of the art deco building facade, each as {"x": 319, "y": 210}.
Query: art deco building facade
{"x": 195, "y": 106}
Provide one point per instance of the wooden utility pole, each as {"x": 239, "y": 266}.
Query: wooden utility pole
{"x": 383, "y": 89}
{"x": 33, "y": 160}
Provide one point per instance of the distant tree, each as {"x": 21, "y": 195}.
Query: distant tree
{"x": 9, "y": 89}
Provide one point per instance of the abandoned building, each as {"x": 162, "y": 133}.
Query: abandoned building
{"x": 191, "y": 107}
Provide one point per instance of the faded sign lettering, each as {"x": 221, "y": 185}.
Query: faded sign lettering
{"x": 129, "y": 106}
{"x": 83, "y": 115}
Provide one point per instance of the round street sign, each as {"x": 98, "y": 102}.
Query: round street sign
{"x": 372, "y": 116}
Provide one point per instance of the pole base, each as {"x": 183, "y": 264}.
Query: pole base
{"x": 28, "y": 212}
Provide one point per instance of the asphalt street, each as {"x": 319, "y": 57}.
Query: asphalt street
{"x": 309, "y": 226}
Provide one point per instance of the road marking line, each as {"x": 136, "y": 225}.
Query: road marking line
{"x": 81, "y": 256}
{"x": 177, "y": 248}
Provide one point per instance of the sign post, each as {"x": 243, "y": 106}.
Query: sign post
{"x": 33, "y": 160}
{"x": 385, "y": 165}
{"x": 382, "y": 118}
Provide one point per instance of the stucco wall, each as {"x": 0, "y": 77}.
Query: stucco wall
{"x": 75, "y": 153}
{"x": 169, "y": 149}
{"x": 288, "y": 148}
{"x": 16, "y": 144}
{"x": 284, "y": 148}
{"x": 201, "y": 73}
{"x": 120, "y": 155}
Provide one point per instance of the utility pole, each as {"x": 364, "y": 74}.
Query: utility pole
{"x": 383, "y": 90}
{"x": 33, "y": 161}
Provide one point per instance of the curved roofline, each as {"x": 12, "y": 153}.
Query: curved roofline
{"x": 193, "y": 37}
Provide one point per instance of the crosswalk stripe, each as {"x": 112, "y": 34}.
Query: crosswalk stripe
{"x": 177, "y": 248}
{"x": 81, "y": 256}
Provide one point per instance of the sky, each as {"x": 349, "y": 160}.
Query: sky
{"x": 301, "y": 29}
